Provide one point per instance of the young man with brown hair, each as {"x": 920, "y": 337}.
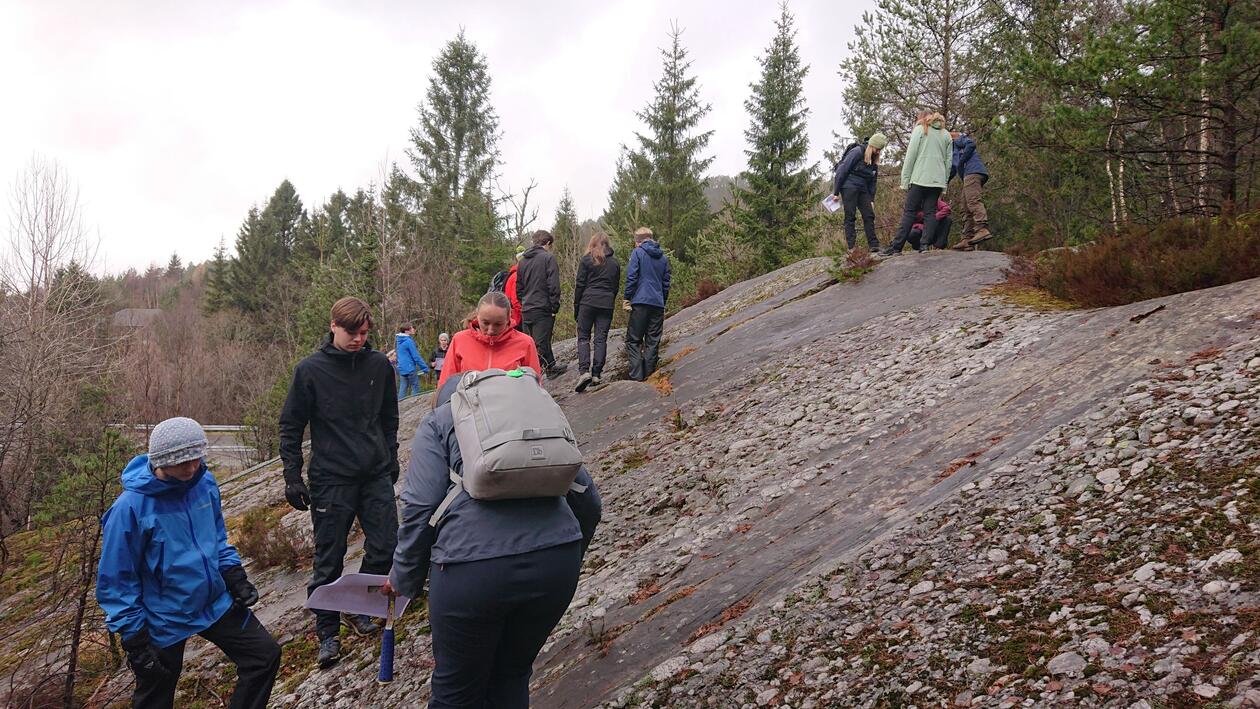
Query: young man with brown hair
{"x": 345, "y": 390}
{"x": 538, "y": 288}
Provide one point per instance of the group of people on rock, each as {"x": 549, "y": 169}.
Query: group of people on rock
{"x": 933, "y": 157}
{"x": 500, "y": 573}
{"x": 532, "y": 290}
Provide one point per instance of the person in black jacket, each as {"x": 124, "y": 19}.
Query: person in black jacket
{"x": 538, "y": 289}
{"x": 594, "y": 295}
{"x": 346, "y": 392}
{"x": 856, "y": 181}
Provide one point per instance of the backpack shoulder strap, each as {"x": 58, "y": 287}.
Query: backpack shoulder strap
{"x": 454, "y": 492}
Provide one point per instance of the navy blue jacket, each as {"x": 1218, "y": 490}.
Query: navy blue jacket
{"x": 966, "y": 160}
{"x": 852, "y": 172}
{"x": 163, "y": 548}
{"x": 647, "y": 276}
{"x": 472, "y": 530}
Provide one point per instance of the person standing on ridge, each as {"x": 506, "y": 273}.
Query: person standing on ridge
{"x": 538, "y": 289}
{"x": 594, "y": 295}
{"x": 345, "y": 391}
{"x": 971, "y": 171}
{"x": 410, "y": 364}
{"x": 167, "y": 572}
{"x": 856, "y": 181}
{"x": 647, "y": 289}
{"x": 924, "y": 174}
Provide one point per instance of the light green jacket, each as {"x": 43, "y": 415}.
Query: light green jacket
{"x": 928, "y": 158}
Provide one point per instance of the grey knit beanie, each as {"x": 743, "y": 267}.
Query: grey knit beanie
{"x": 176, "y": 440}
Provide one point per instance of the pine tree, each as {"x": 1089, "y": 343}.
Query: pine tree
{"x": 627, "y": 198}
{"x": 264, "y": 247}
{"x": 913, "y": 55}
{"x": 217, "y": 284}
{"x": 567, "y": 248}
{"x": 174, "y": 267}
{"x": 772, "y": 214}
{"x": 455, "y": 153}
{"x": 676, "y": 209}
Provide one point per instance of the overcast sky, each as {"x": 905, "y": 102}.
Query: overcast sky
{"x": 174, "y": 118}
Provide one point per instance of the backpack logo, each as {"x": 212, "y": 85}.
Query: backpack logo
{"x": 536, "y": 453}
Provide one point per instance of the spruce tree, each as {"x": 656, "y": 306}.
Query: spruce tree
{"x": 264, "y": 247}
{"x": 676, "y": 209}
{"x": 455, "y": 153}
{"x": 217, "y": 285}
{"x": 772, "y": 214}
{"x": 567, "y": 248}
{"x": 627, "y": 198}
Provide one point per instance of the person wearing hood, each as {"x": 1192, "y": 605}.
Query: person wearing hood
{"x": 489, "y": 341}
{"x": 538, "y": 288}
{"x": 594, "y": 295}
{"x": 924, "y": 174}
{"x": 647, "y": 289}
{"x": 410, "y": 364}
{"x": 167, "y": 572}
{"x": 855, "y": 181}
{"x": 345, "y": 391}
{"x": 971, "y": 171}
{"x": 501, "y": 573}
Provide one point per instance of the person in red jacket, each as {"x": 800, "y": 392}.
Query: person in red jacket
{"x": 490, "y": 342}
{"x": 940, "y": 239}
{"x": 509, "y": 289}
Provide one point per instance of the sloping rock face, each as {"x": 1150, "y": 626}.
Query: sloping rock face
{"x": 899, "y": 491}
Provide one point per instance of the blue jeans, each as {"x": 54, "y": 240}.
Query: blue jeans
{"x": 408, "y": 383}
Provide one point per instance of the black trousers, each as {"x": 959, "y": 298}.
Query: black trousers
{"x": 856, "y": 200}
{"x": 538, "y": 325}
{"x": 599, "y": 319}
{"x": 246, "y": 643}
{"x": 333, "y": 511}
{"x": 918, "y": 199}
{"x": 643, "y": 340}
{"x": 490, "y": 618}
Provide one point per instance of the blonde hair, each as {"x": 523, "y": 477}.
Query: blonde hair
{"x": 872, "y": 154}
{"x": 597, "y": 247}
{"x": 927, "y": 118}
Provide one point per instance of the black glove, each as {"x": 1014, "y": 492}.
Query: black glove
{"x": 143, "y": 657}
{"x": 298, "y": 496}
{"x": 243, "y": 592}
{"x": 393, "y": 471}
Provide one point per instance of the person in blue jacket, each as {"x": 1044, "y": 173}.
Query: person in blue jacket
{"x": 501, "y": 573}
{"x": 970, "y": 170}
{"x": 856, "y": 181}
{"x": 646, "y": 290}
{"x": 167, "y": 572}
{"x": 410, "y": 364}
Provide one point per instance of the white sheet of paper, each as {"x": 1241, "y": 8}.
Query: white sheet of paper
{"x": 356, "y": 593}
{"x": 831, "y": 203}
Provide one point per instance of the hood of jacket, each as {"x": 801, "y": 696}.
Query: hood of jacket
{"x": 139, "y": 477}
{"x": 399, "y": 337}
{"x": 532, "y": 251}
{"x": 652, "y": 248}
{"x": 327, "y": 347}
{"x": 448, "y": 390}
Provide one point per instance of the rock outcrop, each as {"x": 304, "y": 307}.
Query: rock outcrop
{"x": 900, "y": 491}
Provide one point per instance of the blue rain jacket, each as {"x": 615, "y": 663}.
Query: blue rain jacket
{"x": 162, "y": 549}
{"x": 647, "y": 277}
{"x": 409, "y": 359}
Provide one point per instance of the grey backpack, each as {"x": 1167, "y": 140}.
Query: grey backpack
{"x": 514, "y": 439}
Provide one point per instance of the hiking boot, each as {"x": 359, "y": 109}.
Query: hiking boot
{"x": 982, "y": 236}
{"x": 360, "y": 624}
{"x": 888, "y": 252}
{"x": 329, "y": 652}
{"x": 596, "y": 380}
{"x": 962, "y": 245}
{"x": 556, "y": 370}
{"x": 583, "y": 382}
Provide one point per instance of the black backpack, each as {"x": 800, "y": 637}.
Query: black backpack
{"x": 498, "y": 282}
{"x": 847, "y": 148}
